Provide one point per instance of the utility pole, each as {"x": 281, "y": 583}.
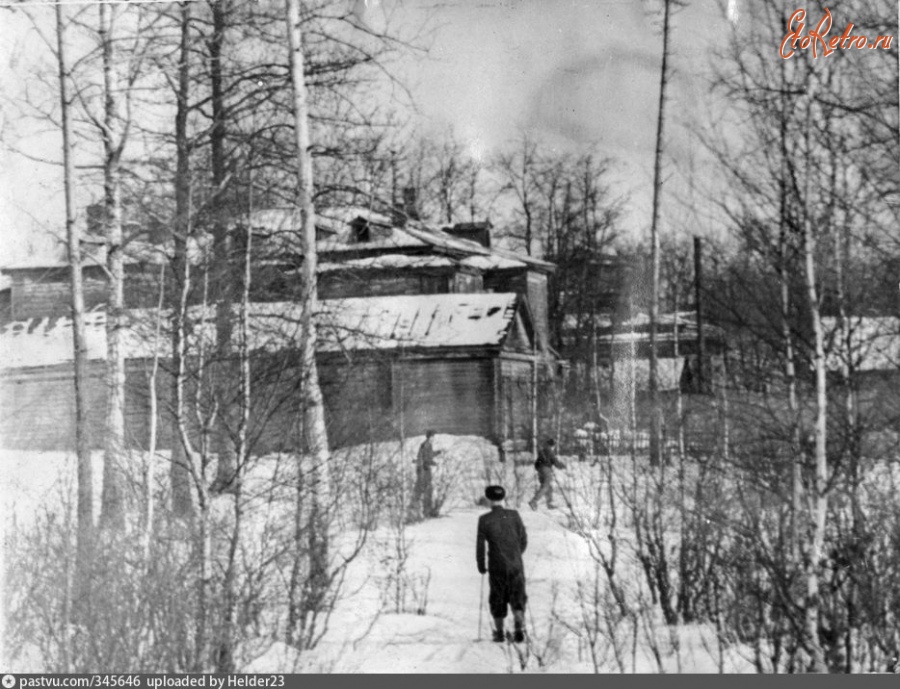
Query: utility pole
{"x": 655, "y": 408}
{"x": 698, "y": 297}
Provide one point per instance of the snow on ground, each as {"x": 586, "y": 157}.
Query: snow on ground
{"x": 446, "y": 638}
{"x": 366, "y": 634}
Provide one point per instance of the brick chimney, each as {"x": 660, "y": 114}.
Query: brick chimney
{"x": 479, "y": 232}
{"x": 411, "y": 203}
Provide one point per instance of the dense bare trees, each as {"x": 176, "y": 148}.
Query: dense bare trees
{"x": 199, "y": 127}
{"x": 802, "y": 175}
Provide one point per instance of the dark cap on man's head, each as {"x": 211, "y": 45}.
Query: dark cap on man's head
{"x": 430, "y": 433}
{"x": 551, "y": 441}
{"x": 494, "y": 493}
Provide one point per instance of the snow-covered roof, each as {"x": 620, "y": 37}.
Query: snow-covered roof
{"x": 279, "y": 228}
{"x": 437, "y": 320}
{"x": 414, "y": 234}
{"x": 395, "y": 238}
{"x": 288, "y": 218}
{"x": 443, "y": 240}
{"x": 350, "y": 213}
{"x": 388, "y": 261}
{"x": 669, "y": 372}
{"x": 642, "y": 320}
{"x": 449, "y": 242}
{"x": 682, "y": 324}
{"x": 492, "y": 262}
{"x": 48, "y": 341}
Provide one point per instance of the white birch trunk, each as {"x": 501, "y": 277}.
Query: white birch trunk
{"x": 150, "y": 461}
{"x": 179, "y": 475}
{"x": 112, "y": 514}
{"x": 315, "y": 486}
{"x": 820, "y": 503}
{"x": 85, "y": 511}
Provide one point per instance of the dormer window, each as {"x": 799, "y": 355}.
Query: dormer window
{"x": 362, "y": 231}
{"x": 368, "y": 230}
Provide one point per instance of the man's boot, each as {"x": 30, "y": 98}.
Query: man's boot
{"x": 498, "y": 629}
{"x": 519, "y": 633}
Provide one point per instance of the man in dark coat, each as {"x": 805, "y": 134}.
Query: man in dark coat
{"x": 504, "y": 534}
{"x": 423, "y": 491}
{"x": 546, "y": 460}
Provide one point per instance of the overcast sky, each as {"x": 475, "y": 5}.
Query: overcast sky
{"x": 573, "y": 73}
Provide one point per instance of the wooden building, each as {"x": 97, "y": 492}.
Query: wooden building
{"x": 418, "y": 329}
{"x": 461, "y": 364}
{"x": 41, "y": 289}
{"x": 364, "y": 254}
{"x": 389, "y": 367}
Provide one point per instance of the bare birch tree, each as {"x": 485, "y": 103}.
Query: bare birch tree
{"x": 114, "y": 139}
{"x": 222, "y": 269}
{"x": 811, "y": 197}
{"x": 85, "y": 510}
{"x": 313, "y": 484}
{"x": 179, "y": 473}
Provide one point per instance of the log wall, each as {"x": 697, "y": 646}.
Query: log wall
{"x": 530, "y": 285}
{"x": 369, "y": 400}
{"x": 515, "y": 406}
{"x": 447, "y": 395}
{"x": 343, "y": 284}
{"x": 45, "y": 292}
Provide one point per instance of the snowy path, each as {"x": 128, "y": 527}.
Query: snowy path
{"x": 364, "y": 640}
{"x": 445, "y": 638}
{"x": 366, "y": 634}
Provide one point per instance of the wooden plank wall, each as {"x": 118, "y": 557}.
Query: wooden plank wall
{"x": 531, "y": 285}
{"x": 343, "y": 285}
{"x": 370, "y": 400}
{"x": 515, "y": 405}
{"x": 32, "y": 299}
{"x": 46, "y": 293}
{"x": 454, "y": 396}
{"x": 467, "y": 283}
{"x": 537, "y": 301}
{"x": 37, "y": 407}
{"x": 5, "y": 305}
{"x": 274, "y": 419}
{"x": 143, "y": 285}
{"x": 357, "y": 401}
{"x": 506, "y": 281}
